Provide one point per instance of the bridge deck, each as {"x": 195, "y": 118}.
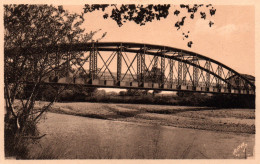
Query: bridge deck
{"x": 146, "y": 85}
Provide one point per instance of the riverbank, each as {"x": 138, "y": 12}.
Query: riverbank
{"x": 204, "y": 118}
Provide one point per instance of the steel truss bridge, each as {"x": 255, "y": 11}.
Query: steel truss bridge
{"x": 145, "y": 66}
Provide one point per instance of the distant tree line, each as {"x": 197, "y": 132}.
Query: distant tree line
{"x": 139, "y": 96}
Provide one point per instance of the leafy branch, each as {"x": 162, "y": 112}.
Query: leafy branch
{"x": 142, "y": 14}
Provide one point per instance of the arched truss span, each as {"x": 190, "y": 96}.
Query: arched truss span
{"x": 176, "y": 66}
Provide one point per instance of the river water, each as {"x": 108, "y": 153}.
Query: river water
{"x": 74, "y": 137}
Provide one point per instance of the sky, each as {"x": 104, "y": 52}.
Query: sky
{"x": 230, "y": 40}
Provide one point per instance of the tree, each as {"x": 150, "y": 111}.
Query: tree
{"x": 155, "y": 76}
{"x": 141, "y": 14}
{"x": 156, "y": 92}
{"x": 80, "y": 89}
{"x": 136, "y": 92}
{"x": 30, "y": 31}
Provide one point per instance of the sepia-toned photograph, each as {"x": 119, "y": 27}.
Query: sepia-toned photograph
{"x": 129, "y": 81}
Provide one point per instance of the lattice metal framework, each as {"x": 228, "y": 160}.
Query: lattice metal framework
{"x": 182, "y": 69}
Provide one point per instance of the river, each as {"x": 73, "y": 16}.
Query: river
{"x": 74, "y": 137}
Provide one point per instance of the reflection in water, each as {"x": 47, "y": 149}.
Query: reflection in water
{"x": 73, "y": 137}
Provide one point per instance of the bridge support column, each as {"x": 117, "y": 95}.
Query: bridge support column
{"x": 93, "y": 62}
{"x": 179, "y": 73}
{"x": 138, "y": 67}
{"x": 155, "y": 65}
{"x": 119, "y": 64}
{"x": 207, "y": 74}
{"x": 171, "y": 71}
{"x": 195, "y": 73}
{"x": 162, "y": 68}
{"x": 143, "y": 66}
{"x": 219, "y": 71}
{"x": 185, "y": 71}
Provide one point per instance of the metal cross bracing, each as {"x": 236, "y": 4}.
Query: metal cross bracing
{"x": 146, "y": 66}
